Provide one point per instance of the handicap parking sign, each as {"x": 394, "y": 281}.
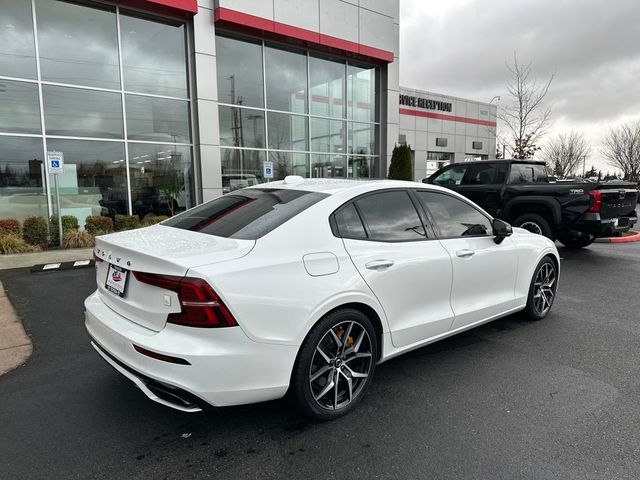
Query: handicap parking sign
{"x": 55, "y": 162}
{"x": 268, "y": 170}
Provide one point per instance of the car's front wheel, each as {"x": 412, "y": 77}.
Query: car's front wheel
{"x": 542, "y": 291}
{"x": 335, "y": 365}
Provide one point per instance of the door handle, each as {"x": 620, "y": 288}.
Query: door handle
{"x": 465, "y": 253}
{"x": 379, "y": 264}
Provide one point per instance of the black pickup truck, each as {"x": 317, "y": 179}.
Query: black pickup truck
{"x": 519, "y": 192}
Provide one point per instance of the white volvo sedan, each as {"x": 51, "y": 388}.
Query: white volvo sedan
{"x": 304, "y": 286}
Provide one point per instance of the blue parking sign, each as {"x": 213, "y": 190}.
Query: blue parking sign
{"x": 55, "y": 162}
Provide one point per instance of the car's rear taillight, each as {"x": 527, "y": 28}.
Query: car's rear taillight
{"x": 596, "y": 201}
{"x": 200, "y": 305}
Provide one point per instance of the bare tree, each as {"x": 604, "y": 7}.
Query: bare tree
{"x": 566, "y": 153}
{"x": 525, "y": 117}
{"x": 621, "y": 148}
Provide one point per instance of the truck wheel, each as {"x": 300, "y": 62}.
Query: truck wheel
{"x": 576, "y": 241}
{"x": 534, "y": 223}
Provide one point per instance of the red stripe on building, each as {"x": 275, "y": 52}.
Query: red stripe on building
{"x": 232, "y": 19}
{"x": 451, "y": 118}
{"x": 176, "y": 8}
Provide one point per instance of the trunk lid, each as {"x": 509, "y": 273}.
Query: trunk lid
{"x": 158, "y": 249}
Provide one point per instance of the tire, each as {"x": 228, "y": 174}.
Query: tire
{"x": 534, "y": 223}
{"x": 542, "y": 291}
{"x": 341, "y": 350}
{"x": 576, "y": 241}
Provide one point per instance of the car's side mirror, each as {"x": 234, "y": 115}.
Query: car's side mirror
{"x": 501, "y": 230}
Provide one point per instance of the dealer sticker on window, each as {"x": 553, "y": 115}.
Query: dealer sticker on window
{"x": 116, "y": 280}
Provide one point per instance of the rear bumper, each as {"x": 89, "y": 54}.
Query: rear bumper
{"x": 604, "y": 227}
{"x": 225, "y": 366}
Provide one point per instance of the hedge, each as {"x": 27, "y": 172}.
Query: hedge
{"x": 10, "y": 226}
{"x": 127, "y": 222}
{"x": 14, "y": 244}
{"x": 69, "y": 222}
{"x": 149, "y": 220}
{"x": 34, "y": 231}
{"x": 97, "y": 225}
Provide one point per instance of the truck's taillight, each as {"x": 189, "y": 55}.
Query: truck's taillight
{"x": 201, "y": 306}
{"x": 596, "y": 201}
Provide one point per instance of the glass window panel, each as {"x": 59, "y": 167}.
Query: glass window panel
{"x": 17, "y": 48}
{"x": 157, "y": 119}
{"x": 78, "y": 44}
{"x": 241, "y": 168}
{"x": 286, "y": 77}
{"x": 82, "y": 113}
{"x": 94, "y": 181}
{"x": 362, "y": 93}
{"x": 239, "y": 70}
{"x": 327, "y": 84}
{"x": 363, "y": 138}
{"x": 22, "y": 190}
{"x": 360, "y": 167}
{"x": 350, "y": 224}
{"x": 161, "y": 179}
{"x": 154, "y": 57}
{"x": 328, "y": 136}
{"x": 328, "y": 166}
{"x": 286, "y": 163}
{"x": 391, "y": 217}
{"x": 19, "y": 107}
{"x": 241, "y": 127}
{"x": 287, "y": 132}
{"x": 454, "y": 217}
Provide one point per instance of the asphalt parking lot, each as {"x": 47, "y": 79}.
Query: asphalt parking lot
{"x": 510, "y": 400}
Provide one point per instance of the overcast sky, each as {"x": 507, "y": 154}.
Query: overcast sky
{"x": 459, "y": 47}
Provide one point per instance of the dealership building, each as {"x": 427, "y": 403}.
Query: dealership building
{"x": 157, "y": 105}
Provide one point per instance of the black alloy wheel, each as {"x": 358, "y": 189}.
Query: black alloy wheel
{"x": 542, "y": 291}
{"x": 535, "y": 224}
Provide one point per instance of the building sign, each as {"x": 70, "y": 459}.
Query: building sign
{"x": 425, "y": 103}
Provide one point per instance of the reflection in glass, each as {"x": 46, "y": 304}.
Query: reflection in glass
{"x": 327, "y": 81}
{"x": 327, "y": 135}
{"x": 328, "y": 166}
{"x": 239, "y": 72}
{"x": 363, "y": 138}
{"x": 19, "y": 108}
{"x": 82, "y": 113}
{"x": 157, "y": 119}
{"x": 17, "y": 48}
{"x": 241, "y": 127}
{"x": 154, "y": 57}
{"x": 241, "y": 168}
{"x": 287, "y": 132}
{"x": 286, "y": 77}
{"x": 359, "y": 167}
{"x": 78, "y": 44}
{"x": 22, "y": 190}
{"x": 94, "y": 181}
{"x": 286, "y": 163}
{"x": 161, "y": 179}
{"x": 362, "y": 91}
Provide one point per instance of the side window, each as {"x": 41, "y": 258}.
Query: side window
{"x": 527, "y": 173}
{"x": 454, "y": 217}
{"x": 391, "y": 217}
{"x": 451, "y": 176}
{"x": 349, "y": 223}
{"x": 485, "y": 174}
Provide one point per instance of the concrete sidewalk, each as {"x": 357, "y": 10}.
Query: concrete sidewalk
{"x": 15, "y": 345}
{"x": 21, "y": 260}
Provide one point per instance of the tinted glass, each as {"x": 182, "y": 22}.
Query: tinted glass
{"x": 328, "y": 166}
{"x": 527, "y": 173}
{"x": 286, "y": 77}
{"x": 363, "y": 138}
{"x": 157, "y": 119}
{"x": 247, "y": 214}
{"x": 391, "y": 217}
{"x": 19, "y": 107}
{"x": 241, "y": 168}
{"x": 454, "y": 217}
{"x": 485, "y": 174}
{"x": 17, "y": 48}
{"x": 328, "y": 136}
{"x": 241, "y": 127}
{"x": 161, "y": 179}
{"x": 94, "y": 181}
{"x": 362, "y": 167}
{"x": 239, "y": 72}
{"x": 22, "y": 192}
{"x": 327, "y": 83}
{"x": 349, "y": 223}
{"x": 361, "y": 94}
{"x": 287, "y": 132}
{"x": 451, "y": 176}
{"x": 154, "y": 57}
{"x": 287, "y": 163}
{"x": 82, "y": 113}
{"x": 78, "y": 44}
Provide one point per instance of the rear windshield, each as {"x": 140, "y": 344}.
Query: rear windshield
{"x": 247, "y": 214}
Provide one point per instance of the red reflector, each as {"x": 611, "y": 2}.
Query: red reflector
{"x": 160, "y": 356}
{"x": 201, "y": 306}
{"x": 596, "y": 201}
